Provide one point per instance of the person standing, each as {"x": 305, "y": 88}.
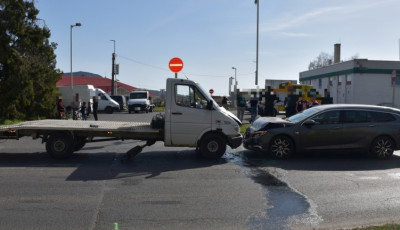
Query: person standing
{"x": 253, "y": 108}
{"x": 225, "y": 102}
{"x": 60, "y": 108}
{"x": 89, "y": 109}
{"x": 290, "y": 105}
{"x": 241, "y": 105}
{"x": 270, "y": 100}
{"x": 314, "y": 101}
{"x": 95, "y": 106}
{"x": 301, "y": 105}
{"x": 83, "y": 111}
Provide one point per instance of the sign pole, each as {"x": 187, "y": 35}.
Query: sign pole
{"x": 394, "y": 74}
{"x": 176, "y": 75}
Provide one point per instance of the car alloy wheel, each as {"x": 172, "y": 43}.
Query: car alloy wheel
{"x": 281, "y": 147}
{"x": 382, "y": 147}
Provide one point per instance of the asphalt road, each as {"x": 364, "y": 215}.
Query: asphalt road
{"x": 171, "y": 188}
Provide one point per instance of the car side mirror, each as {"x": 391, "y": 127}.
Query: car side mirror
{"x": 209, "y": 105}
{"x": 309, "y": 123}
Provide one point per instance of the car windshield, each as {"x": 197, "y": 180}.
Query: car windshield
{"x": 138, "y": 95}
{"x": 303, "y": 115}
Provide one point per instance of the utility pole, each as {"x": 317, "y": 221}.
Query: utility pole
{"x": 113, "y": 70}
{"x": 72, "y": 75}
{"x": 257, "y": 2}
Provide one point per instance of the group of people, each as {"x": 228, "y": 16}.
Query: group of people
{"x": 78, "y": 107}
{"x": 292, "y": 105}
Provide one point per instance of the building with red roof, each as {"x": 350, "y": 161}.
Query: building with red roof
{"x": 98, "y": 82}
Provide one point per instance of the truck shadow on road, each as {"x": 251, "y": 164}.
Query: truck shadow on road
{"x": 146, "y": 166}
{"x": 108, "y": 165}
{"x": 341, "y": 161}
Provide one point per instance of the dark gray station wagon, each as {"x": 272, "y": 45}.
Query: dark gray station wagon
{"x": 373, "y": 129}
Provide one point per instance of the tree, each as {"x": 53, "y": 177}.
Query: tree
{"x": 28, "y": 73}
{"x": 322, "y": 60}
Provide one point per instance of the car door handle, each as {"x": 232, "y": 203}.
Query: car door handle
{"x": 371, "y": 125}
{"x": 176, "y": 113}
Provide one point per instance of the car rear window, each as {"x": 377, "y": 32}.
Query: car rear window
{"x": 377, "y": 116}
{"x": 359, "y": 116}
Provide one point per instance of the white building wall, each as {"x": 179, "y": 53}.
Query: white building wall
{"x": 368, "y": 87}
{"x": 374, "y": 89}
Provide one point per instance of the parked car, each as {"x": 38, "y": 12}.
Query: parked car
{"x": 121, "y": 101}
{"x": 374, "y": 129}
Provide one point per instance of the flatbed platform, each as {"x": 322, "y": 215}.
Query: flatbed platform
{"x": 126, "y": 130}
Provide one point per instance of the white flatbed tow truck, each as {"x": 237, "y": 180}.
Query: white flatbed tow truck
{"x": 191, "y": 119}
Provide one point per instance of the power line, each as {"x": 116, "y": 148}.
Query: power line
{"x": 186, "y": 73}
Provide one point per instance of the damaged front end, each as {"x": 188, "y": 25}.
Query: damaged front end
{"x": 258, "y": 135}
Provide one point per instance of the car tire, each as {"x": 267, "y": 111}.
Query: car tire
{"x": 281, "y": 147}
{"x": 109, "y": 110}
{"x": 382, "y": 147}
{"x": 212, "y": 146}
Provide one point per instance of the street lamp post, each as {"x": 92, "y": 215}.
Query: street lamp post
{"x": 72, "y": 75}
{"x": 230, "y": 91}
{"x": 257, "y": 2}
{"x": 113, "y": 70}
{"x": 234, "y": 88}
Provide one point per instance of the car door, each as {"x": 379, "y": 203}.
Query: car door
{"x": 360, "y": 127}
{"x": 324, "y": 133}
{"x": 189, "y": 115}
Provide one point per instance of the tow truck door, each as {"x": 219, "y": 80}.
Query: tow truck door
{"x": 189, "y": 115}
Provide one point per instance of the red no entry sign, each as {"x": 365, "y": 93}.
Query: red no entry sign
{"x": 175, "y": 65}
{"x": 211, "y": 91}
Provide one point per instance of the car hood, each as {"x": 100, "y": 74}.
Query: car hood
{"x": 137, "y": 101}
{"x": 264, "y": 123}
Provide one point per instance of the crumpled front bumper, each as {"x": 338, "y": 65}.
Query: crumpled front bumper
{"x": 235, "y": 142}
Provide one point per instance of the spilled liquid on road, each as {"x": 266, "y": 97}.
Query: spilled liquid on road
{"x": 286, "y": 207}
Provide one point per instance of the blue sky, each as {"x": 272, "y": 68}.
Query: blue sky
{"x": 212, "y": 36}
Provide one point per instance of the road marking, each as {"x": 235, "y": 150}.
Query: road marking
{"x": 370, "y": 178}
{"x": 394, "y": 175}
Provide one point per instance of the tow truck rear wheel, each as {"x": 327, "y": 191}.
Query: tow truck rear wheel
{"x": 212, "y": 146}
{"x": 80, "y": 142}
{"x": 60, "y": 145}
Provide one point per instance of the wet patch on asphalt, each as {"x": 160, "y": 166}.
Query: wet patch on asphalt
{"x": 286, "y": 207}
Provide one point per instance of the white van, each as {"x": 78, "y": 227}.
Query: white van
{"x": 106, "y": 103}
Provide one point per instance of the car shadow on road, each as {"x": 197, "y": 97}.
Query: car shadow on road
{"x": 339, "y": 161}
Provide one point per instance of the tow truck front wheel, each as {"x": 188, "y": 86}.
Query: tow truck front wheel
{"x": 212, "y": 146}
{"x": 60, "y": 145}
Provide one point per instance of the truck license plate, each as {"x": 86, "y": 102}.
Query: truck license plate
{"x": 137, "y": 108}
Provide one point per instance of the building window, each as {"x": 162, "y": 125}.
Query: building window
{"x": 348, "y": 79}
{"x": 340, "y": 80}
{"x": 330, "y": 81}
{"x": 320, "y": 83}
